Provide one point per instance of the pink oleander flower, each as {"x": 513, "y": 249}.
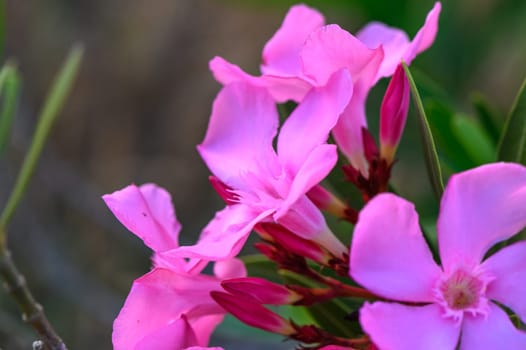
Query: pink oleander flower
{"x": 438, "y": 307}
{"x": 268, "y": 185}
{"x": 169, "y": 307}
{"x": 304, "y": 53}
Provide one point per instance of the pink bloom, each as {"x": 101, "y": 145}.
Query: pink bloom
{"x": 169, "y": 307}
{"x": 269, "y": 185}
{"x": 460, "y": 300}
{"x": 304, "y": 53}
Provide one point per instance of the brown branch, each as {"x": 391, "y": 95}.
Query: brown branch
{"x": 32, "y": 311}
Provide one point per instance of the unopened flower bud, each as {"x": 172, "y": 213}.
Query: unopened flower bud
{"x": 327, "y": 201}
{"x": 393, "y": 113}
{"x": 253, "y": 314}
{"x": 263, "y": 291}
{"x": 295, "y": 244}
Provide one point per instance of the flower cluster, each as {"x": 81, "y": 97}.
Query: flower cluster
{"x": 269, "y": 176}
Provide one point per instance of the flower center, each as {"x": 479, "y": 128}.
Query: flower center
{"x": 461, "y": 290}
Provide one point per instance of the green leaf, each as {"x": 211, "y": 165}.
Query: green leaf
{"x": 512, "y": 145}
{"x": 9, "y": 90}
{"x": 233, "y": 330}
{"x": 473, "y": 139}
{"x": 489, "y": 118}
{"x": 259, "y": 265}
{"x": 430, "y": 153}
{"x": 52, "y": 106}
{"x": 450, "y": 150}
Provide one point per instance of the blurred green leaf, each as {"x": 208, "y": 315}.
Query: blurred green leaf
{"x": 233, "y": 329}
{"x": 473, "y": 139}
{"x": 428, "y": 226}
{"x": 299, "y": 314}
{"x": 512, "y": 145}
{"x": 489, "y": 118}
{"x": 430, "y": 152}
{"x": 52, "y": 106}
{"x": 450, "y": 149}
{"x": 259, "y": 265}
{"x": 9, "y": 90}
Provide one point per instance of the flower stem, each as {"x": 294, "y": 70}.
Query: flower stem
{"x": 32, "y": 311}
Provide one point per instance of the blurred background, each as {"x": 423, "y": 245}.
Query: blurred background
{"x": 140, "y": 105}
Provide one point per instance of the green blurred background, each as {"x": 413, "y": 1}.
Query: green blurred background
{"x": 141, "y": 104}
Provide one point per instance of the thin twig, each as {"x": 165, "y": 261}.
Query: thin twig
{"x": 32, "y": 311}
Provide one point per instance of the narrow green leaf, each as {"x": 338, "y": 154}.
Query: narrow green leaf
{"x": 512, "y": 144}
{"x": 430, "y": 152}
{"x": 52, "y": 106}
{"x": 9, "y": 90}
{"x": 490, "y": 120}
{"x": 473, "y": 139}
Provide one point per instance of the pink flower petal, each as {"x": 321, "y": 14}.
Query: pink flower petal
{"x": 232, "y": 268}
{"x": 348, "y": 131}
{"x": 224, "y": 236}
{"x": 281, "y": 55}
{"x": 331, "y": 48}
{"x": 480, "y": 208}
{"x": 148, "y": 213}
{"x": 158, "y": 298}
{"x": 315, "y": 168}
{"x": 508, "y": 266}
{"x": 280, "y": 88}
{"x": 395, "y": 42}
{"x": 494, "y": 332}
{"x": 177, "y": 335}
{"x": 310, "y": 123}
{"x": 426, "y": 35}
{"x": 302, "y": 218}
{"x": 389, "y": 255}
{"x": 239, "y": 138}
{"x": 204, "y": 326}
{"x": 283, "y": 89}
{"x": 393, "y": 326}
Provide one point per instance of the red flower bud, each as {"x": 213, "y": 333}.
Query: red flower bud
{"x": 327, "y": 201}
{"x": 252, "y": 313}
{"x": 263, "y": 291}
{"x": 295, "y": 244}
{"x": 393, "y": 113}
